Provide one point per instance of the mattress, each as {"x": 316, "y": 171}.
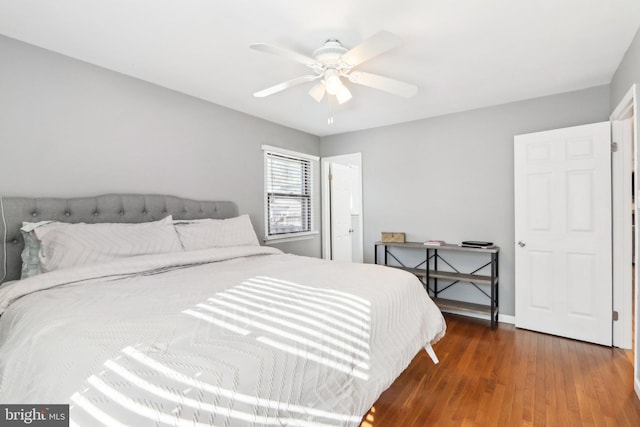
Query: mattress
{"x": 242, "y": 336}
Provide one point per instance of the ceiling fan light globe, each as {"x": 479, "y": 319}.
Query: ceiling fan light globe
{"x": 317, "y": 92}
{"x": 333, "y": 84}
{"x": 343, "y": 95}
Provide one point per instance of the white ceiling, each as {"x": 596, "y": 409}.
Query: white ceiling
{"x": 461, "y": 54}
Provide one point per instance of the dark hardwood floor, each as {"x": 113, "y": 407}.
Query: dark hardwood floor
{"x": 510, "y": 377}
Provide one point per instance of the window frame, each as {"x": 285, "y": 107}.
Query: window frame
{"x": 313, "y": 164}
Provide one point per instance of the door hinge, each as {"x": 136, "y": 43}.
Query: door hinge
{"x": 330, "y": 177}
{"x": 615, "y": 315}
{"x": 614, "y": 147}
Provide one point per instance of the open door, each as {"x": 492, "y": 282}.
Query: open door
{"x": 563, "y": 232}
{"x": 353, "y": 162}
{"x": 340, "y": 199}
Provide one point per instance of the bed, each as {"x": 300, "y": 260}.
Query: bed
{"x": 224, "y": 333}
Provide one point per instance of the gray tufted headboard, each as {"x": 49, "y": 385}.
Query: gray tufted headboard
{"x": 106, "y": 208}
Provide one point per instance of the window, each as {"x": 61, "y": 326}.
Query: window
{"x": 288, "y": 185}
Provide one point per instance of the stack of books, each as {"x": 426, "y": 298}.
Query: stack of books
{"x": 476, "y": 244}
{"x": 434, "y": 242}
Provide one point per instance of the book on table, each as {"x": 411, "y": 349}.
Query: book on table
{"x": 434, "y": 242}
{"x": 476, "y": 244}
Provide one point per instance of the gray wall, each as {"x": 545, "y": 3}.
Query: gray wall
{"x": 68, "y": 128}
{"x": 451, "y": 177}
{"x": 628, "y": 72}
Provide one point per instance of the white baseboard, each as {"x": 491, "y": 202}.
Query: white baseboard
{"x": 637, "y": 387}
{"x": 505, "y": 318}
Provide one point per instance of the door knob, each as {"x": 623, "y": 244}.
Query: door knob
{"x": 522, "y": 244}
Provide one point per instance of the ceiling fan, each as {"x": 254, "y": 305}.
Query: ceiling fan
{"x": 332, "y": 62}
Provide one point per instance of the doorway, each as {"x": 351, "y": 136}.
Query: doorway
{"x": 624, "y": 121}
{"x": 335, "y": 245}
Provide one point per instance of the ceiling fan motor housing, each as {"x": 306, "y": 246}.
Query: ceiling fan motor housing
{"x": 330, "y": 52}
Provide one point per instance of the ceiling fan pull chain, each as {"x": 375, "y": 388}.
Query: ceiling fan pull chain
{"x": 329, "y": 112}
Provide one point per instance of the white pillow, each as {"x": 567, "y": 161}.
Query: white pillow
{"x": 216, "y": 233}
{"x": 82, "y": 244}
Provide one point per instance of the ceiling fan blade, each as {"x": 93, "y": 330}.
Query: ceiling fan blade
{"x": 284, "y": 85}
{"x": 317, "y": 92}
{"x": 281, "y": 51}
{"x": 373, "y": 46}
{"x": 395, "y": 87}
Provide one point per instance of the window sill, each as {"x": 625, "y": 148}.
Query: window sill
{"x": 274, "y": 240}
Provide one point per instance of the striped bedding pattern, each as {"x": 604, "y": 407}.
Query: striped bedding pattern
{"x": 240, "y": 336}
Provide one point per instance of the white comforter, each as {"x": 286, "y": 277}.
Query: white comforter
{"x": 235, "y": 336}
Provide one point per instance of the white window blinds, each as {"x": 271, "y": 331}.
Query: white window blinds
{"x": 288, "y": 193}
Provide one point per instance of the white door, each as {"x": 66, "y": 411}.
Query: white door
{"x": 563, "y": 232}
{"x": 340, "y": 199}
